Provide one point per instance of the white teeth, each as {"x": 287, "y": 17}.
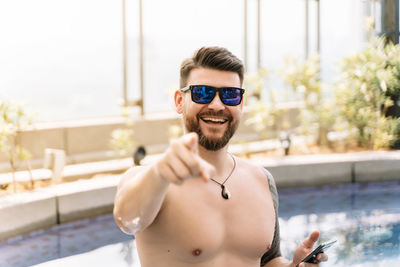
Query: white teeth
{"x": 214, "y": 119}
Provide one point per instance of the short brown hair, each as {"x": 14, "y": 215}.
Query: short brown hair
{"x": 213, "y": 57}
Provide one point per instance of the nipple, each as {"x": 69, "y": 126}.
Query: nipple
{"x": 196, "y": 252}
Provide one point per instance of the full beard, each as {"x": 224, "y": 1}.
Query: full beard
{"x": 214, "y": 144}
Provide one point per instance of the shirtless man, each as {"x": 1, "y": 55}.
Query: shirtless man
{"x": 198, "y": 205}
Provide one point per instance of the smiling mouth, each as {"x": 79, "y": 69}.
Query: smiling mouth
{"x": 213, "y": 120}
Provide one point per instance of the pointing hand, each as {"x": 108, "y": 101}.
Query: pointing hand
{"x": 182, "y": 161}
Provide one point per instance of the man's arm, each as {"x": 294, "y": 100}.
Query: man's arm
{"x": 301, "y": 252}
{"x": 139, "y": 197}
{"x": 142, "y": 190}
{"x": 279, "y": 262}
{"x": 273, "y": 258}
{"x": 274, "y": 251}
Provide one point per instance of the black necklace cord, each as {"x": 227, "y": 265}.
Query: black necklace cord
{"x": 234, "y": 166}
{"x": 224, "y": 191}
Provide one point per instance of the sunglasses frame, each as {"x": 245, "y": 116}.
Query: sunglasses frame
{"x": 190, "y": 87}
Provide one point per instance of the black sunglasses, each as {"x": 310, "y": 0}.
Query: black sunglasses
{"x": 204, "y": 94}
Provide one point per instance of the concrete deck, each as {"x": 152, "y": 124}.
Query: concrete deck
{"x": 24, "y": 212}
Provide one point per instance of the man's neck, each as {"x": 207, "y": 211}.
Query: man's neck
{"x": 219, "y": 159}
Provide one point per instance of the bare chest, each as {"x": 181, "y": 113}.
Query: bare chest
{"x": 197, "y": 224}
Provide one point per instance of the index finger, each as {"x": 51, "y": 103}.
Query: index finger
{"x": 190, "y": 140}
{"x": 207, "y": 170}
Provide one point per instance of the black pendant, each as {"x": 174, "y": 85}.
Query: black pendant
{"x": 225, "y": 192}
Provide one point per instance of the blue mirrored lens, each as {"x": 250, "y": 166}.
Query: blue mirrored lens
{"x": 203, "y": 94}
{"x": 231, "y": 96}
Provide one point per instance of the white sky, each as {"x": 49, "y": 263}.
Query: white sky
{"x": 64, "y": 58}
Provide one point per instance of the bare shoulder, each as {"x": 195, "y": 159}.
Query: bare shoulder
{"x": 130, "y": 174}
{"x": 258, "y": 172}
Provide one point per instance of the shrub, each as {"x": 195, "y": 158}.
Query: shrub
{"x": 317, "y": 117}
{"x": 13, "y": 120}
{"x": 122, "y": 138}
{"x": 368, "y": 93}
{"x": 263, "y": 115}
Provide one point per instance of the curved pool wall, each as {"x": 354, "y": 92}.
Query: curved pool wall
{"x": 28, "y": 211}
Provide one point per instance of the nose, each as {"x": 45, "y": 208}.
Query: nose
{"x": 216, "y": 103}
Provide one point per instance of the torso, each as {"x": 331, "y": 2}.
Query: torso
{"x": 196, "y": 225}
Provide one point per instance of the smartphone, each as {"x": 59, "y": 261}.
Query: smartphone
{"x": 321, "y": 248}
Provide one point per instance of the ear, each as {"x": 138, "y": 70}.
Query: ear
{"x": 178, "y": 97}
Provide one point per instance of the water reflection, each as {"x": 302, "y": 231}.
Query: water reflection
{"x": 365, "y": 219}
{"x": 127, "y": 252}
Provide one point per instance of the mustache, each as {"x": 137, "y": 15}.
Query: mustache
{"x": 222, "y": 113}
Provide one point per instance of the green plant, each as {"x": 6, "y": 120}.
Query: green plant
{"x": 318, "y": 113}
{"x": 122, "y": 138}
{"x": 262, "y": 115}
{"x": 13, "y": 120}
{"x": 369, "y": 89}
{"x": 255, "y": 83}
{"x": 122, "y": 141}
{"x": 265, "y": 116}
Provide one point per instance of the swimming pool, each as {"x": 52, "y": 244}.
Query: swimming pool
{"x": 365, "y": 219}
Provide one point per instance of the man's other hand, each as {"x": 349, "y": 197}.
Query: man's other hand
{"x": 305, "y": 248}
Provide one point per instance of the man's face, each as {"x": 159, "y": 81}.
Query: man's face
{"x": 215, "y": 123}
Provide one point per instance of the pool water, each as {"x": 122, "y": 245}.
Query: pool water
{"x": 61, "y": 241}
{"x": 364, "y": 219}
